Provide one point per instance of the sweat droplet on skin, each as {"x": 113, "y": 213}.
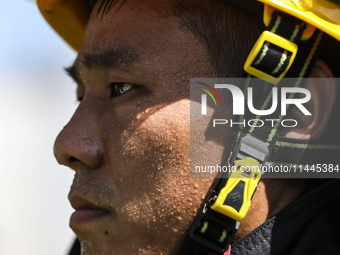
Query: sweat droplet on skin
{"x": 175, "y": 230}
{"x": 84, "y": 247}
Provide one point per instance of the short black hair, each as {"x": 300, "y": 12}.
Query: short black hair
{"x": 227, "y": 33}
{"x": 104, "y": 8}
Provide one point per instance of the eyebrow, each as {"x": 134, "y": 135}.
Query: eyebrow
{"x": 113, "y": 58}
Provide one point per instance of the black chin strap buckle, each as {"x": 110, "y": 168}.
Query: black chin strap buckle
{"x": 213, "y": 229}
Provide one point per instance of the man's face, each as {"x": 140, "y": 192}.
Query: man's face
{"x": 128, "y": 141}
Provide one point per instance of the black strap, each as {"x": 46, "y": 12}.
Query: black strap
{"x": 304, "y": 61}
{"x": 190, "y": 246}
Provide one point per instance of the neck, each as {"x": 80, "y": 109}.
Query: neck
{"x": 271, "y": 196}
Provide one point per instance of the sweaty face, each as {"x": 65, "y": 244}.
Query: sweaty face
{"x": 129, "y": 140}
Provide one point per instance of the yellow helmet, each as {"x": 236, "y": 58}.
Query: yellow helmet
{"x": 322, "y": 14}
{"x": 69, "y": 18}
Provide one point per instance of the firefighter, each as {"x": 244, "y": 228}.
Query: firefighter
{"x": 129, "y": 139}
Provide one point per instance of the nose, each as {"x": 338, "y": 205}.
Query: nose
{"x": 79, "y": 141}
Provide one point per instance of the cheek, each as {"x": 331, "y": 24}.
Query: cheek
{"x": 156, "y": 156}
{"x": 157, "y": 142}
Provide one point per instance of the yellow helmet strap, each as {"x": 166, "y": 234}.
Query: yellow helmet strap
{"x": 282, "y": 50}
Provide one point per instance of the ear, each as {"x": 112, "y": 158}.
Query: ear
{"x": 323, "y": 96}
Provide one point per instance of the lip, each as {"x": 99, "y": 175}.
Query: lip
{"x": 85, "y": 215}
{"x": 86, "y": 211}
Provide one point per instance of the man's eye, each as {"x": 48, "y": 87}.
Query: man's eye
{"x": 120, "y": 88}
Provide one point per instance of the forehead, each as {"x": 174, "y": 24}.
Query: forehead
{"x": 149, "y": 30}
{"x": 129, "y": 23}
